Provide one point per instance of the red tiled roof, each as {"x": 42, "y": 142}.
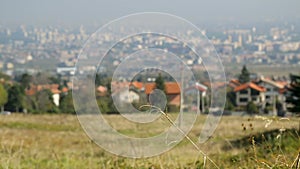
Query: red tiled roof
{"x": 30, "y": 92}
{"x": 249, "y": 85}
{"x": 235, "y": 81}
{"x": 170, "y": 87}
{"x": 215, "y": 84}
{"x": 149, "y": 87}
{"x": 101, "y": 89}
{"x": 55, "y": 91}
{"x": 283, "y": 83}
{"x": 138, "y": 85}
{"x": 207, "y": 84}
{"x": 175, "y": 100}
{"x": 232, "y": 85}
{"x": 64, "y": 89}
{"x": 35, "y": 88}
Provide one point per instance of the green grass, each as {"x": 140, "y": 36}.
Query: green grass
{"x": 57, "y": 141}
{"x": 37, "y": 126}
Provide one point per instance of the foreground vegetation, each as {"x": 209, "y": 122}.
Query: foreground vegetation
{"x": 57, "y": 141}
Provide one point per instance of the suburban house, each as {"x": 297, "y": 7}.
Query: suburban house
{"x": 172, "y": 91}
{"x": 203, "y": 95}
{"x": 137, "y": 85}
{"x": 126, "y": 92}
{"x": 248, "y": 92}
{"x": 129, "y": 96}
{"x": 274, "y": 90}
{"x": 129, "y": 92}
{"x": 233, "y": 83}
{"x": 54, "y": 89}
{"x": 101, "y": 91}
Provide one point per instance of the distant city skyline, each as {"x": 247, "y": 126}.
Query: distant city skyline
{"x": 86, "y": 12}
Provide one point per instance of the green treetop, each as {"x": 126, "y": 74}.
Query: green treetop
{"x": 3, "y": 97}
{"x": 245, "y": 75}
{"x": 160, "y": 83}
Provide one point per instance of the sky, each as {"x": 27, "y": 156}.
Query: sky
{"x": 82, "y": 12}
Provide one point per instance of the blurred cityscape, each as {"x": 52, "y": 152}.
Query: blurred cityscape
{"x": 32, "y": 49}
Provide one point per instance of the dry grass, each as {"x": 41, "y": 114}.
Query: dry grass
{"x": 57, "y": 141}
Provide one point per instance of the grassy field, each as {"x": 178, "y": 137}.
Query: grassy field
{"x": 58, "y": 141}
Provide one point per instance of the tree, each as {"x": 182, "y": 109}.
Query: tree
{"x": 16, "y": 97}
{"x": 4, "y": 76}
{"x": 104, "y": 80}
{"x": 251, "y": 108}
{"x": 41, "y": 78}
{"x": 3, "y": 97}
{"x": 98, "y": 80}
{"x": 24, "y": 80}
{"x": 66, "y": 104}
{"x": 279, "y": 108}
{"x": 55, "y": 79}
{"x": 42, "y": 102}
{"x": 230, "y": 96}
{"x": 103, "y": 104}
{"x": 293, "y": 97}
{"x": 228, "y": 105}
{"x": 160, "y": 82}
{"x": 244, "y": 77}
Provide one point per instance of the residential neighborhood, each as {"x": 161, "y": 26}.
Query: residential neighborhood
{"x": 267, "y": 95}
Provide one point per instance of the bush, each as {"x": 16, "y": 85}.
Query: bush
{"x": 66, "y": 104}
{"x": 251, "y": 108}
{"x": 173, "y": 108}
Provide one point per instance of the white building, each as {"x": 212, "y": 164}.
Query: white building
{"x": 248, "y": 92}
{"x": 274, "y": 93}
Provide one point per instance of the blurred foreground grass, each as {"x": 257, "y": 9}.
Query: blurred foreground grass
{"x": 57, "y": 141}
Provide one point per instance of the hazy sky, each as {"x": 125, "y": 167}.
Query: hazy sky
{"x": 74, "y": 11}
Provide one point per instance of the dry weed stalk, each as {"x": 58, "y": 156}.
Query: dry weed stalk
{"x": 205, "y": 156}
{"x": 296, "y": 162}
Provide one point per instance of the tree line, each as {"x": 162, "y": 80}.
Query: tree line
{"x": 13, "y": 97}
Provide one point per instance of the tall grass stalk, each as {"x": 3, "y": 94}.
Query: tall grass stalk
{"x": 205, "y": 156}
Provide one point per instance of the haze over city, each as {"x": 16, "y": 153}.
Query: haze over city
{"x": 85, "y": 12}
